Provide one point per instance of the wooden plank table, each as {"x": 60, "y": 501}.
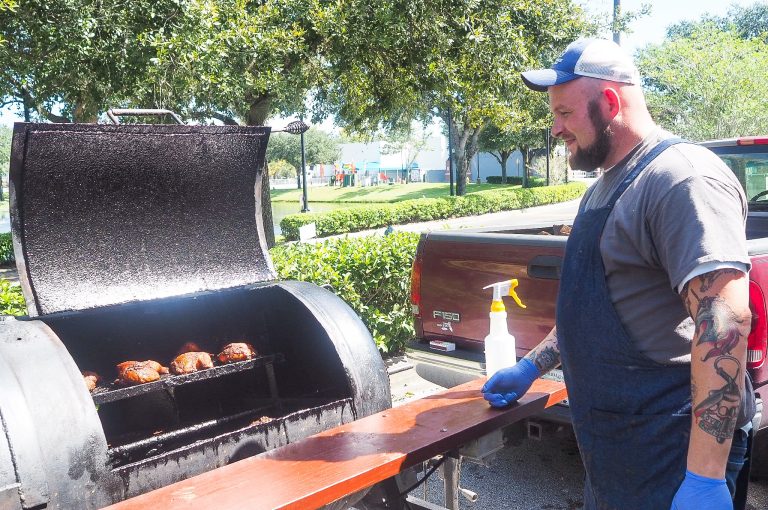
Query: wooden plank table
{"x": 327, "y": 466}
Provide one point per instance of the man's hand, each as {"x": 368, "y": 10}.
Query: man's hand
{"x": 509, "y": 384}
{"x": 702, "y": 493}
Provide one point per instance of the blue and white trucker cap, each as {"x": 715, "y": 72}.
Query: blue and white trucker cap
{"x": 593, "y": 58}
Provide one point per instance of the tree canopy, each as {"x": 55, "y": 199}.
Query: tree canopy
{"x": 747, "y": 21}
{"x": 238, "y": 61}
{"x": 5, "y": 148}
{"x": 79, "y": 55}
{"x": 319, "y": 147}
{"x": 711, "y": 83}
{"x": 457, "y": 59}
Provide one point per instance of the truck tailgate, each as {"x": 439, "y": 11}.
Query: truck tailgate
{"x": 456, "y": 267}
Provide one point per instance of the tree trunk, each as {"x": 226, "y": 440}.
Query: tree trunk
{"x": 259, "y": 111}
{"x": 85, "y": 112}
{"x": 504, "y": 157}
{"x": 526, "y": 160}
{"x": 461, "y": 136}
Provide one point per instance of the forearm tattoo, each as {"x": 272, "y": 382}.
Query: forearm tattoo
{"x": 718, "y": 330}
{"x": 547, "y": 355}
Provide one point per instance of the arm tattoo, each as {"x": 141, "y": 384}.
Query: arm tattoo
{"x": 707, "y": 279}
{"x": 718, "y": 325}
{"x": 546, "y": 356}
{"x": 717, "y": 414}
{"x": 719, "y": 330}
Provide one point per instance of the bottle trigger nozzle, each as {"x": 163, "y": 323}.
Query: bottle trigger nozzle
{"x": 505, "y": 288}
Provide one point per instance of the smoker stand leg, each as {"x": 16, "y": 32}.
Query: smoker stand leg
{"x": 451, "y": 475}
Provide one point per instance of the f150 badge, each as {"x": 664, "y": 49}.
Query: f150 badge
{"x": 447, "y": 318}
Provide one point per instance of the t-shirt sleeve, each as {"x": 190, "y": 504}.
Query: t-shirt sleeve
{"x": 700, "y": 219}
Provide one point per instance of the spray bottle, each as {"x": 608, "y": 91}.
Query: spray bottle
{"x": 499, "y": 344}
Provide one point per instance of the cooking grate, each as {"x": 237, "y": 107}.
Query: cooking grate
{"x": 114, "y": 392}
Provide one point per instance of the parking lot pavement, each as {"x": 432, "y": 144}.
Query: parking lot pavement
{"x": 529, "y": 475}
{"x": 405, "y": 384}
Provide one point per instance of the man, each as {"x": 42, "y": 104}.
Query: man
{"x": 653, "y": 310}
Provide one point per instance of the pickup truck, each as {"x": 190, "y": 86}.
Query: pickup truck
{"x": 452, "y": 267}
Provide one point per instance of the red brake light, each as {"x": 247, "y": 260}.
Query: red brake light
{"x": 757, "y": 341}
{"x": 416, "y": 284}
{"x": 752, "y": 140}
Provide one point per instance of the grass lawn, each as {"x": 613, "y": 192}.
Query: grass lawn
{"x": 382, "y": 193}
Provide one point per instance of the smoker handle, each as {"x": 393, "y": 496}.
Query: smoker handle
{"x": 114, "y": 113}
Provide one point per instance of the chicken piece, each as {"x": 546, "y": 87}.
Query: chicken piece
{"x": 139, "y": 372}
{"x": 189, "y": 347}
{"x": 238, "y": 351}
{"x": 91, "y": 379}
{"x": 191, "y": 362}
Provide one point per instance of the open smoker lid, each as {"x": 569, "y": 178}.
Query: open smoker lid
{"x": 106, "y": 214}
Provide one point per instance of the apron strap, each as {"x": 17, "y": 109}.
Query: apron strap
{"x": 640, "y": 166}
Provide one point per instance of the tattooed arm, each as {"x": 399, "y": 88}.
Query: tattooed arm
{"x": 546, "y": 355}
{"x": 718, "y": 302}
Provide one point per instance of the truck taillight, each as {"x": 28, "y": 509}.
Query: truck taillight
{"x": 416, "y": 284}
{"x": 757, "y": 341}
{"x": 752, "y": 140}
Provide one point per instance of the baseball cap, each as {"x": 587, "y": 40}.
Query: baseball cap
{"x": 593, "y": 58}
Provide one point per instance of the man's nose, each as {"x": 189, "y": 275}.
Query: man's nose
{"x": 557, "y": 128}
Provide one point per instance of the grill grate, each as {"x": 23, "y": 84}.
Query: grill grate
{"x": 114, "y": 392}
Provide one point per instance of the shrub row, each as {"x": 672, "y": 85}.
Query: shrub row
{"x": 496, "y": 179}
{"x": 370, "y": 216}
{"x": 372, "y": 274}
{"x": 6, "y": 249}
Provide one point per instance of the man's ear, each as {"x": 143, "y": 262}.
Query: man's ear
{"x": 613, "y": 100}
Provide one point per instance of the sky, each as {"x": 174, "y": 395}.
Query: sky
{"x": 647, "y": 30}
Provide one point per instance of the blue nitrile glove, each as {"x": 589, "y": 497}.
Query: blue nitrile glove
{"x": 509, "y": 384}
{"x": 702, "y": 493}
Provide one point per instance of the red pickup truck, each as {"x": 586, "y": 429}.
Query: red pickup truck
{"x": 451, "y": 269}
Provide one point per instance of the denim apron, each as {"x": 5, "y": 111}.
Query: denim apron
{"x": 631, "y": 415}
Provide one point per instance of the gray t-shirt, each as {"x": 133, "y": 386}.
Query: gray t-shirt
{"x": 685, "y": 209}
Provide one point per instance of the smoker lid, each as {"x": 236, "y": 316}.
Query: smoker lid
{"x": 104, "y": 214}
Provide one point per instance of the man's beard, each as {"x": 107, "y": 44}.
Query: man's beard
{"x": 593, "y": 156}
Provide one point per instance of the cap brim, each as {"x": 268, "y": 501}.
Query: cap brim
{"x": 541, "y": 79}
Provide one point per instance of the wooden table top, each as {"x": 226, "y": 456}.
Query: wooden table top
{"x": 327, "y": 466}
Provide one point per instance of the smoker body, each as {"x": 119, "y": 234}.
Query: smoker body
{"x": 132, "y": 241}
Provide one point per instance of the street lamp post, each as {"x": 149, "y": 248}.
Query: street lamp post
{"x": 304, "y": 204}
{"x": 298, "y": 127}
{"x": 450, "y": 150}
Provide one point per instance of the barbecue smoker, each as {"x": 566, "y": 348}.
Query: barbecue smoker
{"x": 131, "y": 241}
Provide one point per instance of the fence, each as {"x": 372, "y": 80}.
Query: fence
{"x": 292, "y": 183}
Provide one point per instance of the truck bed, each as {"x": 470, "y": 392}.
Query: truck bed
{"x": 453, "y": 307}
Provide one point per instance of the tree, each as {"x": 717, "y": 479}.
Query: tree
{"x": 710, "y": 84}
{"x": 526, "y": 134}
{"x": 238, "y": 61}
{"x": 457, "y": 59}
{"x": 319, "y": 147}
{"x": 749, "y": 22}
{"x": 79, "y": 55}
{"x": 408, "y": 141}
{"x": 500, "y": 144}
{"x": 281, "y": 169}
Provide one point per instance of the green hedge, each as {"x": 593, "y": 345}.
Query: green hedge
{"x": 370, "y": 216}
{"x": 372, "y": 274}
{"x": 6, "y": 249}
{"x": 11, "y": 299}
{"x": 496, "y": 179}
